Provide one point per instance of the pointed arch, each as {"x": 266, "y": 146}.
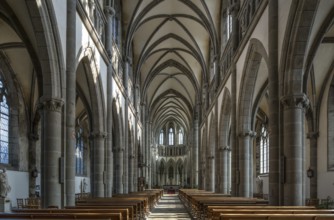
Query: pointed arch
{"x": 255, "y": 54}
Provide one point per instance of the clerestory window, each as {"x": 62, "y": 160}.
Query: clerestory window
{"x": 171, "y": 137}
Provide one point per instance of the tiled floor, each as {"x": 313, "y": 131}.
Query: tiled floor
{"x": 169, "y": 207}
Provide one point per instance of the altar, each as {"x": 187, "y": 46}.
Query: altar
{"x": 171, "y": 189}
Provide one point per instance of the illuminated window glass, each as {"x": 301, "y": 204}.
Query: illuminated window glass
{"x": 79, "y": 167}
{"x": 171, "y": 137}
{"x": 4, "y": 123}
{"x": 161, "y": 137}
{"x": 180, "y": 137}
{"x": 264, "y": 150}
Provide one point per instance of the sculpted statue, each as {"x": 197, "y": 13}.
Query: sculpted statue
{"x": 259, "y": 183}
{"x": 4, "y": 186}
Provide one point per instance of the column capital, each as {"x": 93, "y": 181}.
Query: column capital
{"x": 211, "y": 157}
{"x": 224, "y": 148}
{"x": 51, "y": 104}
{"x": 109, "y": 11}
{"x": 33, "y": 137}
{"x": 296, "y": 101}
{"x": 91, "y": 2}
{"x": 98, "y": 134}
{"x": 234, "y": 6}
{"x": 118, "y": 149}
{"x": 312, "y": 135}
{"x": 247, "y": 133}
{"x": 127, "y": 59}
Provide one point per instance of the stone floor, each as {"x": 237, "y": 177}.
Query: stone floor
{"x": 169, "y": 207}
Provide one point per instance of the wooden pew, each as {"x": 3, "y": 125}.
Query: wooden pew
{"x": 200, "y": 204}
{"x": 275, "y": 216}
{"x": 124, "y": 212}
{"x": 213, "y": 212}
{"x": 136, "y": 204}
{"x": 217, "y": 213}
{"x": 133, "y": 214}
{"x": 109, "y": 216}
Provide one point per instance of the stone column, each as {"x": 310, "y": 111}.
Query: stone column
{"x": 146, "y": 148}
{"x": 98, "y": 139}
{"x": 109, "y": 12}
{"x": 313, "y": 136}
{"x": 70, "y": 103}
{"x": 235, "y": 177}
{"x": 274, "y": 106}
{"x": 52, "y": 173}
{"x": 149, "y": 167}
{"x": 224, "y": 166}
{"x": 131, "y": 172}
{"x": 293, "y": 147}
{"x": 229, "y": 170}
{"x": 119, "y": 169}
{"x": 210, "y": 179}
{"x": 135, "y": 160}
{"x": 234, "y": 144}
{"x": 127, "y": 66}
{"x": 216, "y": 71}
{"x": 245, "y": 165}
{"x": 33, "y": 138}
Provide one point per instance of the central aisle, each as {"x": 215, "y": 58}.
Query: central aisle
{"x": 169, "y": 207}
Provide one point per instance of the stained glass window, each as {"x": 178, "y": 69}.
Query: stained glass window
{"x": 79, "y": 167}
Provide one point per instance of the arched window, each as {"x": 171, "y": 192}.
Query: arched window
{"x": 171, "y": 137}
{"x": 4, "y": 125}
{"x": 180, "y": 137}
{"x": 228, "y": 25}
{"x": 264, "y": 150}
{"x": 161, "y": 137}
{"x": 79, "y": 152}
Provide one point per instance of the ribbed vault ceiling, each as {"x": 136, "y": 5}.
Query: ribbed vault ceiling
{"x": 170, "y": 41}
